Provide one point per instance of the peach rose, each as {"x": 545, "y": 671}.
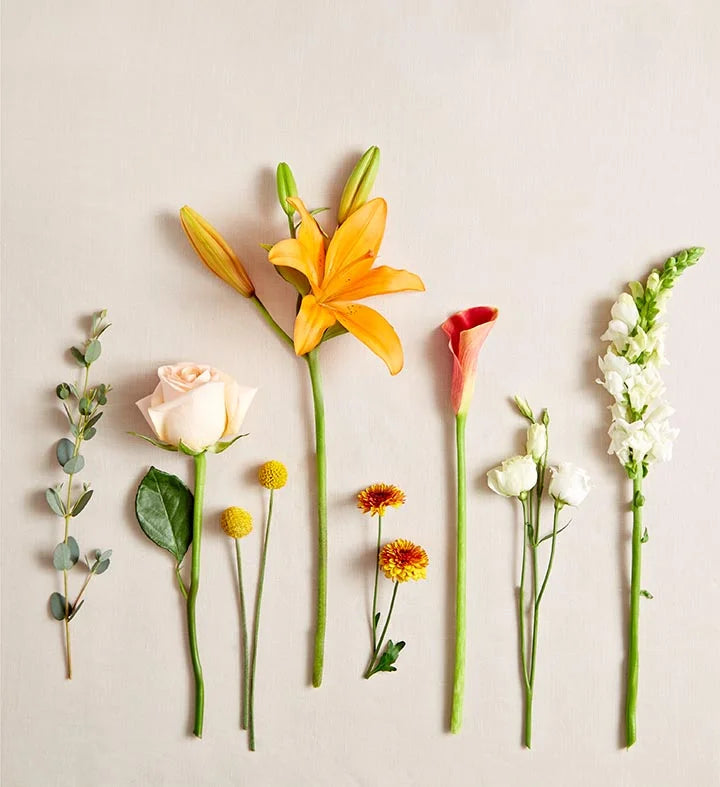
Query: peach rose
{"x": 197, "y": 404}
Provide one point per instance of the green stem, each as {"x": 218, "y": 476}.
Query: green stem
{"x": 460, "y": 591}
{"x": 370, "y": 671}
{"x": 633, "y": 654}
{"x": 321, "y": 472}
{"x": 183, "y": 589}
{"x": 521, "y": 594}
{"x": 270, "y": 320}
{"x": 200, "y": 466}
{"x": 256, "y": 624}
{"x": 245, "y": 674}
{"x": 375, "y": 591}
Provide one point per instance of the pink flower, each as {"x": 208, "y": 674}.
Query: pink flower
{"x": 467, "y": 330}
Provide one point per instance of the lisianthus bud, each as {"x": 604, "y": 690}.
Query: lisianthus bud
{"x": 514, "y": 477}
{"x": 569, "y": 484}
{"x": 537, "y": 441}
{"x": 286, "y": 187}
{"x": 524, "y": 407}
{"x": 360, "y": 183}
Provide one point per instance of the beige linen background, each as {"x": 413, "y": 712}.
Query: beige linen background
{"x": 536, "y": 156}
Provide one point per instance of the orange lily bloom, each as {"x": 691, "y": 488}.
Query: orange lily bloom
{"x": 342, "y": 275}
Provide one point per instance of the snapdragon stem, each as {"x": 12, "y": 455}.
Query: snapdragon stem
{"x": 200, "y": 467}
{"x": 375, "y": 591}
{"x": 321, "y": 472}
{"x": 633, "y": 635}
{"x": 376, "y": 652}
{"x": 256, "y": 624}
{"x": 461, "y": 577}
{"x": 245, "y": 674}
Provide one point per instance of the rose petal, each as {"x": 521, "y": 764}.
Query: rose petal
{"x": 196, "y": 417}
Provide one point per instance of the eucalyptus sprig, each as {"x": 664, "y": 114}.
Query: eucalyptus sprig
{"x": 82, "y": 404}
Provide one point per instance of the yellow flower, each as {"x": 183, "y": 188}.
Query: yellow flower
{"x": 341, "y": 275}
{"x": 212, "y": 249}
{"x": 401, "y": 560}
{"x": 273, "y": 475}
{"x": 236, "y": 522}
{"x": 376, "y": 497}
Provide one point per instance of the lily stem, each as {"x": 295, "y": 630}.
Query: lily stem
{"x": 270, "y": 320}
{"x": 200, "y": 467}
{"x": 460, "y": 591}
{"x": 633, "y": 635}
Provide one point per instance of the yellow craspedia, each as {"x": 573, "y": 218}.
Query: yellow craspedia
{"x": 273, "y": 474}
{"x": 236, "y": 522}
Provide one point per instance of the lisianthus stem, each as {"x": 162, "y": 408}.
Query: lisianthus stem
{"x": 375, "y": 591}
{"x": 370, "y": 670}
{"x": 321, "y": 472}
{"x": 256, "y": 624}
{"x": 460, "y": 591}
{"x": 200, "y": 465}
{"x": 245, "y": 674}
{"x": 633, "y": 654}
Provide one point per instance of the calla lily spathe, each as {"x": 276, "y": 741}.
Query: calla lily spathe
{"x": 341, "y": 275}
{"x": 467, "y": 331}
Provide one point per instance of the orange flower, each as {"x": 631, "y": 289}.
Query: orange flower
{"x": 401, "y": 560}
{"x": 375, "y": 498}
{"x": 341, "y": 275}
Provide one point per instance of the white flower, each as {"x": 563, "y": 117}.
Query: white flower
{"x": 617, "y": 333}
{"x": 626, "y": 437}
{"x": 625, "y": 310}
{"x": 569, "y": 484}
{"x": 662, "y": 436}
{"x": 514, "y": 476}
{"x": 617, "y": 370}
{"x": 537, "y": 441}
{"x": 644, "y": 388}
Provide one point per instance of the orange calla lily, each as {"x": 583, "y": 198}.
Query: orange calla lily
{"x": 341, "y": 275}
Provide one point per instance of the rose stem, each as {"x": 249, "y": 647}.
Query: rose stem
{"x": 460, "y": 592}
{"x": 370, "y": 671}
{"x": 633, "y": 655}
{"x": 245, "y": 702}
{"x": 200, "y": 466}
{"x": 256, "y": 623}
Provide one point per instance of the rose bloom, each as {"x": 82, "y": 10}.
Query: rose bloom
{"x": 570, "y": 484}
{"x": 514, "y": 476}
{"x": 197, "y": 404}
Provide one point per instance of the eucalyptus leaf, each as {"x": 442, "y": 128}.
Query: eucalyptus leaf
{"x": 57, "y": 606}
{"x": 88, "y": 434}
{"x": 85, "y": 406}
{"x": 74, "y": 549}
{"x": 64, "y": 451}
{"x": 105, "y": 555}
{"x": 75, "y": 610}
{"x": 164, "y": 510}
{"x": 92, "y": 351}
{"x": 81, "y": 502}
{"x": 78, "y": 356}
{"x": 62, "y": 557}
{"x": 102, "y": 567}
{"x": 53, "y": 500}
{"x": 74, "y": 465}
{"x": 92, "y": 421}
{"x": 62, "y": 391}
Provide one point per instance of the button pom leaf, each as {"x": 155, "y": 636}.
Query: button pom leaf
{"x": 164, "y": 510}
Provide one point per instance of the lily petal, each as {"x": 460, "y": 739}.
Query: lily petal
{"x": 372, "y": 329}
{"x": 358, "y": 238}
{"x": 377, "y": 281}
{"x": 310, "y": 236}
{"x": 290, "y": 253}
{"x": 310, "y": 324}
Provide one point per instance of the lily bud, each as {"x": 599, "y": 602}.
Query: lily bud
{"x": 215, "y": 253}
{"x": 360, "y": 183}
{"x": 286, "y": 187}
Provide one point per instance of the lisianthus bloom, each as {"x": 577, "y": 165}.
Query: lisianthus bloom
{"x": 467, "y": 331}
{"x": 340, "y": 276}
{"x": 214, "y": 251}
{"x": 515, "y": 476}
{"x": 569, "y": 484}
{"x": 196, "y": 404}
{"x": 374, "y": 499}
{"x": 401, "y": 560}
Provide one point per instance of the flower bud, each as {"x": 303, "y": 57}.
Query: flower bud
{"x": 537, "y": 441}
{"x": 360, "y": 183}
{"x": 286, "y": 187}
{"x": 524, "y": 408}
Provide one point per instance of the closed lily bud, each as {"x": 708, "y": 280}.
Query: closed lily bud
{"x": 360, "y": 183}
{"x": 286, "y": 187}
{"x": 215, "y": 253}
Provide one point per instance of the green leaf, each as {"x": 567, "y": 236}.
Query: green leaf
{"x": 185, "y": 449}
{"x": 92, "y": 351}
{"x": 646, "y": 594}
{"x": 53, "y": 500}
{"x": 78, "y": 356}
{"x": 221, "y": 446}
{"x": 105, "y": 555}
{"x": 333, "y": 331}
{"x": 298, "y": 280}
{"x": 267, "y": 246}
{"x": 92, "y": 421}
{"x": 62, "y": 391}
{"x": 62, "y": 557}
{"x": 101, "y": 567}
{"x": 645, "y": 536}
{"x": 153, "y": 441}
{"x": 82, "y": 501}
{"x": 88, "y": 434}
{"x": 69, "y": 415}
{"x": 85, "y": 406}
{"x": 57, "y": 606}
{"x": 74, "y": 549}
{"x": 74, "y": 465}
{"x": 389, "y": 657}
{"x": 377, "y": 620}
{"x": 75, "y": 610}
{"x": 64, "y": 451}
{"x": 164, "y": 510}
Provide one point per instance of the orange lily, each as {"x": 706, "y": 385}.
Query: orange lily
{"x": 342, "y": 275}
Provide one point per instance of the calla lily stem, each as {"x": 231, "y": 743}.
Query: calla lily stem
{"x": 200, "y": 466}
{"x": 460, "y": 591}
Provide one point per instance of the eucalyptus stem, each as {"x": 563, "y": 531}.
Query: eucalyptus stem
{"x": 370, "y": 671}
{"x": 256, "y": 624}
{"x": 200, "y": 467}
{"x": 245, "y": 700}
{"x": 460, "y": 591}
{"x": 321, "y": 472}
{"x": 633, "y": 635}
{"x": 375, "y": 591}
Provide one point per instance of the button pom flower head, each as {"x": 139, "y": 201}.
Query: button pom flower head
{"x": 640, "y": 432}
{"x": 400, "y": 561}
{"x": 466, "y": 332}
{"x": 523, "y": 477}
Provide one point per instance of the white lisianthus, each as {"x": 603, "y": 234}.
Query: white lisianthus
{"x": 537, "y": 441}
{"x": 513, "y": 477}
{"x": 569, "y": 484}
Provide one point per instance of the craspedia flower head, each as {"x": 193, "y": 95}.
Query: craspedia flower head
{"x": 236, "y": 522}
{"x": 374, "y": 499}
{"x": 273, "y": 475}
{"x": 401, "y": 560}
